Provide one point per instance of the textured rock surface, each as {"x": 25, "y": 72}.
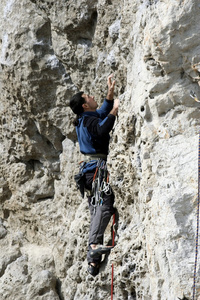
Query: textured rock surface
{"x": 51, "y": 49}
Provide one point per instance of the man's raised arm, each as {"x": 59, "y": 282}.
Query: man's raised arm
{"x": 114, "y": 110}
{"x": 111, "y": 86}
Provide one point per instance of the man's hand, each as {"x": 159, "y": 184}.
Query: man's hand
{"x": 111, "y": 86}
{"x": 114, "y": 111}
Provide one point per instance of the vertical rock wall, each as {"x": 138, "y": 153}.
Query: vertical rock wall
{"x": 48, "y": 51}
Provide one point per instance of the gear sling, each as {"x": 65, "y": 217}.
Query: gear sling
{"x": 100, "y": 184}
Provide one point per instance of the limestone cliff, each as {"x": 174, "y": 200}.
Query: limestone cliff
{"x": 51, "y": 49}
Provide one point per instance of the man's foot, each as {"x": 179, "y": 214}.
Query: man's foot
{"x": 93, "y": 269}
{"x": 99, "y": 250}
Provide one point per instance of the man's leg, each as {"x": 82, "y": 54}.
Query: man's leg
{"x": 88, "y": 184}
{"x": 99, "y": 221}
{"x": 96, "y": 260}
{"x": 100, "y": 218}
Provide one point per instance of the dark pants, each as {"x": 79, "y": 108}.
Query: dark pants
{"x": 100, "y": 216}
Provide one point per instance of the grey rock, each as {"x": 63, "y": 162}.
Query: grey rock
{"x": 50, "y": 50}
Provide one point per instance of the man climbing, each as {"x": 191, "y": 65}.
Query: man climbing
{"x": 93, "y": 127}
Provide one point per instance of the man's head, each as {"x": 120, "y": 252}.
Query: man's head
{"x": 76, "y": 103}
{"x": 81, "y": 102}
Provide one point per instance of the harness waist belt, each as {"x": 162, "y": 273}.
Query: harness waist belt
{"x": 95, "y": 156}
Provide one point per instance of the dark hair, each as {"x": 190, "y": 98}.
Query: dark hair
{"x": 76, "y": 103}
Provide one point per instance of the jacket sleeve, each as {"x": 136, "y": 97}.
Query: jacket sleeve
{"x": 98, "y": 127}
{"x": 105, "y": 108}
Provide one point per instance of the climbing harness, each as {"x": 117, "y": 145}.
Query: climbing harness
{"x": 193, "y": 95}
{"x": 100, "y": 184}
{"x": 112, "y": 272}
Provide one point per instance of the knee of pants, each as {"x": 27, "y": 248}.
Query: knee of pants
{"x": 108, "y": 201}
{"x": 106, "y": 210}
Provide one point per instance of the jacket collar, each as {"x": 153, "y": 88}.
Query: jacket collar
{"x": 89, "y": 113}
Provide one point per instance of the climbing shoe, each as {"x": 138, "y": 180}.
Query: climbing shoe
{"x": 99, "y": 250}
{"x": 93, "y": 270}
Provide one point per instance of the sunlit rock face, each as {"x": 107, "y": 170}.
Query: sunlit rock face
{"x": 48, "y": 51}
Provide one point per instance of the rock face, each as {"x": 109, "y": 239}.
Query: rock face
{"x": 51, "y": 49}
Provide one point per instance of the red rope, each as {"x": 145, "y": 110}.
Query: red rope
{"x": 95, "y": 174}
{"x": 113, "y": 243}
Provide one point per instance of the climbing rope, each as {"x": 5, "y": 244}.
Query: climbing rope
{"x": 113, "y": 244}
{"x": 193, "y": 95}
{"x": 197, "y": 232}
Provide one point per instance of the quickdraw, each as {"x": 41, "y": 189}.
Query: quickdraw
{"x": 194, "y": 96}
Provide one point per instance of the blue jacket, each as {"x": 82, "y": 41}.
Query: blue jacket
{"x": 93, "y": 132}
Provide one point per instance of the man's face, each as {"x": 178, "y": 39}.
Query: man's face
{"x": 91, "y": 104}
